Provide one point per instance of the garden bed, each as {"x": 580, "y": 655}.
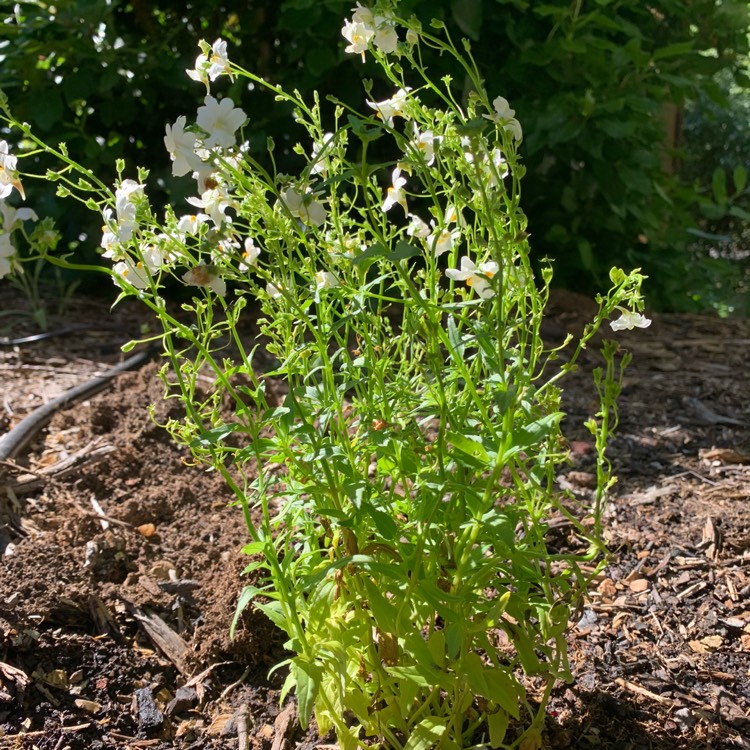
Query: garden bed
{"x": 122, "y": 563}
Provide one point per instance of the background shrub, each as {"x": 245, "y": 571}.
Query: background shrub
{"x": 594, "y": 84}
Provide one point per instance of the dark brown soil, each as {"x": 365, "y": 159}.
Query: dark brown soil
{"x": 119, "y": 578}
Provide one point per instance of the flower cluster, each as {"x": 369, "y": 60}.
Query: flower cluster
{"x": 366, "y": 28}
{"x": 11, "y": 219}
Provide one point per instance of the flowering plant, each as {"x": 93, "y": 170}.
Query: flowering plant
{"x": 399, "y": 497}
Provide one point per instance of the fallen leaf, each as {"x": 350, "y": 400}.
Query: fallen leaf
{"x": 725, "y": 456}
{"x": 698, "y": 647}
{"x": 713, "y": 641}
{"x": 639, "y": 585}
{"x": 91, "y": 706}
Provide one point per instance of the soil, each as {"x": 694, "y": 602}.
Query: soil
{"x": 122, "y": 563}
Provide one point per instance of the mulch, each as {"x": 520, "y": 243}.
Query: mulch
{"x": 122, "y": 563}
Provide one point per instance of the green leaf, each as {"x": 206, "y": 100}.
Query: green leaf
{"x": 468, "y": 16}
{"x": 274, "y": 612}
{"x": 212, "y": 437}
{"x": 470, "y": 445}
{"x": 403, "y": 251}
{"x": 719, "y": 185}
{"x": 364, "y": 131}
{"x": 498, "y": 726}
{"x": 247, "y": 595}
{"x": 308, "y": 677}
{"x": 739, "y": 177}
{"x": 491, "y": 683}
{"x": 386, "y": 526}
{"x": 535, "y": 432}
{"x": 678, "y": 49}
{"x": 427, "y": 733}
{"x": 378, "y": 250}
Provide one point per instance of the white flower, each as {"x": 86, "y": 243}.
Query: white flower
{"x": 496, "y": 168}
{"x": 440, "y": 242}
{"x": 7, "y": 255}
{"x": 630, "y": 320}
{"x": 14, "y": 217}
{"x": 360, "y": 14}
{"x": 220, "y": 119}
{"x": 395, "y": 193}
{"x": 393, "y": 107}
{"x": 386, "y": 38}
{"x": 304, "y": 206}
{"x": 130, "y": 272}
{"x": 191, "y": 224}
{"x": 199, "y": 73}
{"x": 319, "y": 164}
{"x": 476, "y": 277}
{"x": 417, "y": 228}
{"x": 181, "y": 147}
{"x": 214, "y": 202}
{"x": 326, "y": 280}
{"x": 505, "y": 116}
{"x": 250, "y": 256}
{"x": 273, "y": 291}
{"x": 218, "y": 62}
{"x": 358, "y": 35}
{"x": 8, "y": 174}
{"x": 205, "y": 276}
{"x": 425, "y": 144}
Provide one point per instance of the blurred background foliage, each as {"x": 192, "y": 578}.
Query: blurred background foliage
{"x": 635, "y": 113}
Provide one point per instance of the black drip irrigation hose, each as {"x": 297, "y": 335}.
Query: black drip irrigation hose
{"x": 14, "y": 441}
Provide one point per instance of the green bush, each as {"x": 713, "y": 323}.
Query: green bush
{"x": 589, "y": 82}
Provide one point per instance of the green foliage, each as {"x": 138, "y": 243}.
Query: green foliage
{"x": 589, "y": 82}
{"x": 400, "y": 494}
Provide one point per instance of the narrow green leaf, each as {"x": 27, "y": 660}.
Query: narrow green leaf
{"x": 308, "y": 677}
{"x": 427, "y": 733}
{"x": 247, "y": 595}
{"x": 468, "y": 16}
{"x": 498, "y": 726}
{"x": 719, "y": 185}
{"x": 470, "y": 445}
{"x": 739, "y": 177}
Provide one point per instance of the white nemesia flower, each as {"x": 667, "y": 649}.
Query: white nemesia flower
{"x": 8, "y": 174}
{"x": 191, "y": 224}
{"x": 14, "y": 217}
{"x": 440, "y": 242}
{"x": 205, "y": 276}
{"x": 496, "y": 168}
{"x": 395, "y": 193}
{"x": 130, "y": 272}
{"x": 7, "y": 255}
{"x": 358, "y": 35}
{"x": 214, "y": 202}
{"x": 326, "y": 280}
{"x": 218, "y": 61}
{"x": 418, "y": 228}
{"x": 181, "y": 147}
{"x": 304, "y": 206}
{"x": 220, "y": 119}
{"x": 273, "y": 291}
{"x": 630, "y": 320}
{"x": 505, "y": 116}
{"x": 386, "y": 38}
{"x": 199, "y": 73}
{"x": 250, "y": 256}
{"x": 476, "y": 277}
{"x": 425, "y": 144}
{"x": 393, "y": 107}
{"x": 319, "y": 164}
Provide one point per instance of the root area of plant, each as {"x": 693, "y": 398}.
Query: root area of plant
{"x": 121, "y": 562}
